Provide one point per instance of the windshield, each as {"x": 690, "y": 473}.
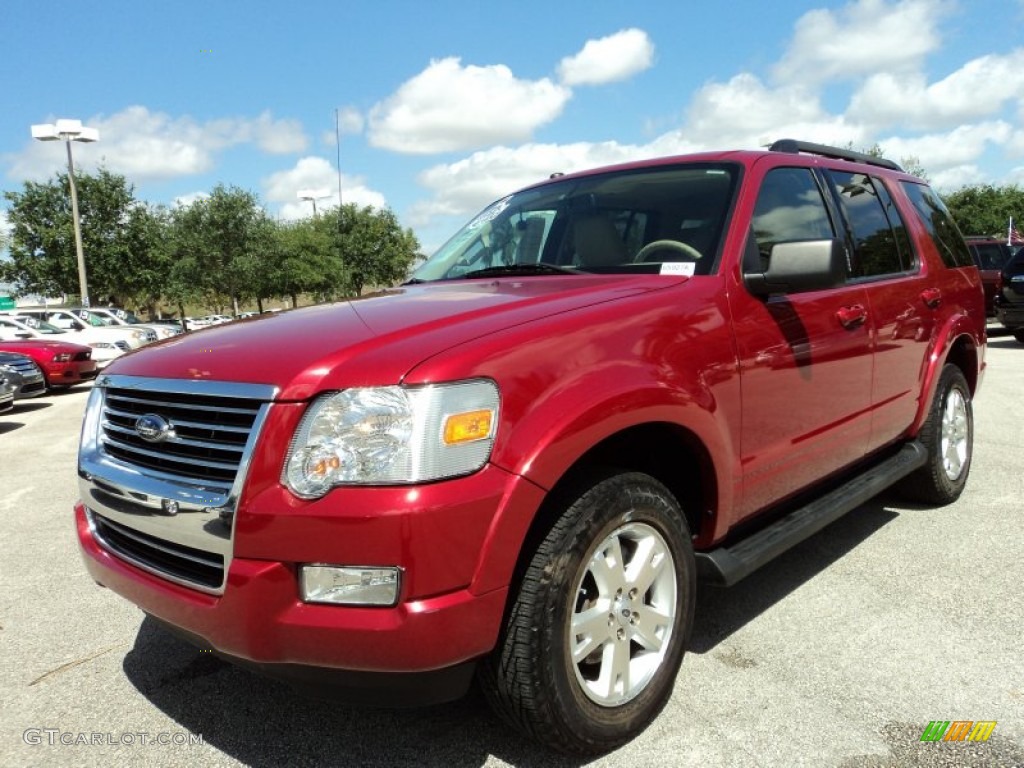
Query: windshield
{"x": 666, "y": 220}
{"x": 37, "y": 325}
{"x": 94, "y": 318}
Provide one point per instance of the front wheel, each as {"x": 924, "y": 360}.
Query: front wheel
{"x": 595, "y": 635}
{"x": 948, "y": 437}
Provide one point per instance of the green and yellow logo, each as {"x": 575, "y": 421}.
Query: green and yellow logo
{"x": 958, "y": 730}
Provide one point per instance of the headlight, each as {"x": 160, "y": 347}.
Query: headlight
{"x": 62, "y": 357}
{"x": 392, "y": 436}
{"x": 102, "y": 345}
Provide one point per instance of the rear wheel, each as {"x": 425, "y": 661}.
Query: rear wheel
{"x": 597, "y": 630}
{"x": 948, "y": 436}
{"x": 1019, "y": 335}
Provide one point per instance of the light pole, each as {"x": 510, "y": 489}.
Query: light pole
{"x": 68, "y": 131}
{"x": 313, "y": 195}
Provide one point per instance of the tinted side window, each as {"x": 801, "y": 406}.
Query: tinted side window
{"x": 789, "y": 208}
{"x": 933, "y": 213}
{"x": 875, "y": 247}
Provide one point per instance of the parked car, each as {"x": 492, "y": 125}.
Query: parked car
{"x": 104, "y": 318}
{"x": 1010, "y": 300}
{"x": 195, "y": 323}
{"x": 24, "y": 374}
{"x": 14, "y": 327}
{"x": 6, "y": 394}
{"x": 122, "y": 317}
{"x": 517, "y": 465}
{"x": 63, "y": 364}
{"x": 89, "y": 328}
{"x": 215, "y": 319}
{"x": 990, "y": 256}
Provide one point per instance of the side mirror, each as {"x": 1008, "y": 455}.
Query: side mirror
{"x": 794, "y": 267}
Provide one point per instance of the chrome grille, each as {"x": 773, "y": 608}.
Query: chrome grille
{"x": 183, "y": 564}
{"x": 22, "y": 364}
{"x": 208, "y": 436}
{"x": 167, "y": 505}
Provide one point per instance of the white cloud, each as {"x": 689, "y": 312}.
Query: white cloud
{"x": 188, "y": 198}
{"x": 145, "y": 145}
{"x": 939, "y": 152}
{"x": 863, "y": 37}
{"x": 980, "y": 88}
{"x": 609, "y": 59}
{"x": 448, "y": 107}
{"x": 464, "y": 187}
{"x": 316, "y": 173}
{"x": 745, "y": 113}
{"x": 349, "y": 121}
{"x": 952, "y": 179}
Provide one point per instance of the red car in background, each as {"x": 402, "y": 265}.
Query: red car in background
{"x": 990, "y": 255}
{"x": 63, "y": 362}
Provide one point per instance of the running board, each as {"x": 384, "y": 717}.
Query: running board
{"x": 727, "y": 565}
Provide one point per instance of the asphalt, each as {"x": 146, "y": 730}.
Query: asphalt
{"x": 837, "y": 654}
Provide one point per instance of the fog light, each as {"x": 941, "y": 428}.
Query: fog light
{"x": 349, "y": 585}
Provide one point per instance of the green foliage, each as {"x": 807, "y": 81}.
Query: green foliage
{"x": 911, "y": 163}
{"x": 375, "y": 250}
{"x": 219, "y": 251}
{"x": 305, "y": 262}
{"x": 220, "y": 246}
{"x": 986, "y": 209}
{"x": 117, "y": 232}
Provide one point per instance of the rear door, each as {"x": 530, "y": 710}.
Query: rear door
{"x": 805, "y": 358}
{"x": 902, "y": 299}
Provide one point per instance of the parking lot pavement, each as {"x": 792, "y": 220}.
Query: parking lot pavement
{"x": 838, "y": 654}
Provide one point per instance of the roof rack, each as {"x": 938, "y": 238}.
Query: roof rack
{"x": 795, "y": 147}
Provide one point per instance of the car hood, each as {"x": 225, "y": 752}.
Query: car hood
{"x": 17, "y": 345}
{"x": 374, "y": 340}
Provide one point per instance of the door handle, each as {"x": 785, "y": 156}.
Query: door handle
{"x": 851, "y": 317}
{"x": 931, "y": 297}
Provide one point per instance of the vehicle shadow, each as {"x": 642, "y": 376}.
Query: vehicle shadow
{"x": 261, "y": 722}
{"x": 23, "y": 406}
{"x": 9, "y": 426}
{"x": 722, "y": 611}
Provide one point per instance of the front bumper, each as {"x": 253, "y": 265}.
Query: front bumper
{"x": 1011, "y": 315}
{"x": 71, "y": 373}
{"x": 457, "y": 560}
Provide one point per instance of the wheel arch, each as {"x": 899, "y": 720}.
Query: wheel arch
{"x": 960, "y": 348}
{"x": 670, "y": 453}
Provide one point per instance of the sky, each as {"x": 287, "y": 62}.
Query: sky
{"x": 443, "y": 106}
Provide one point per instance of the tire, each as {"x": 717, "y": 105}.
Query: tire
{"x": 589, "y": 652}
{"x": 948, "y": 437}
{"x": 1019, "y": 335}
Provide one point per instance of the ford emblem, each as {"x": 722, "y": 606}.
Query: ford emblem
{"x": 153, "y": 428}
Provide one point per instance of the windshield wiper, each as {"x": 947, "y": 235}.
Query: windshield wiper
{"x": 521, "y": 269}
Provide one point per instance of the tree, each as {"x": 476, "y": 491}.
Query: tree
{"x": 220, "y": 245}
{"x": 985, "y": 209}
{"x": 375, "y": 250}
{"x": 911, "y": 163}
{"x": 117, "y": 234}
{"x": 305, "y": 262}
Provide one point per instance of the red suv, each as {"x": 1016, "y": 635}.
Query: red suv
{"x": 518, "y": 464}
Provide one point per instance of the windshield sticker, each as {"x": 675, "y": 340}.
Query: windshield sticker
{"x": 489, "y": 214}
{"x": 686, "y": 268}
